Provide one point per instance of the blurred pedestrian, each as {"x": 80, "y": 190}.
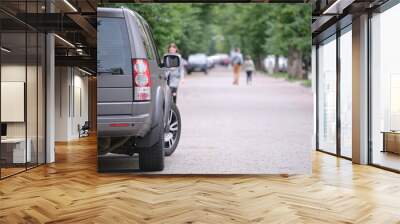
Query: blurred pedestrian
{"x": 237, "y": 61}
{"x": 249, "y": 68}
{"x": 176, "y": 75}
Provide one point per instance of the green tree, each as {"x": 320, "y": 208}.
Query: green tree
{"x": 289, "y": 34}
{"x": 258, "y": 29}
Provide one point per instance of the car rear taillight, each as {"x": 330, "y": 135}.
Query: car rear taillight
{"x": 141, "y": 80}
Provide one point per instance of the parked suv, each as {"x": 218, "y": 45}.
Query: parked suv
{"x": 135, "y": 111}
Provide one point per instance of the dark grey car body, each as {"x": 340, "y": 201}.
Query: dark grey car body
{"x": 115, "y": 91}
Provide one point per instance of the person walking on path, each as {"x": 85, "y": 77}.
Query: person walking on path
{"x": 249, "y": 68}
{"x": 176, "y": 75}
{"x": 237, "y": 61}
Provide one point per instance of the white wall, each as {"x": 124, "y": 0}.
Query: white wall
{"x": 71, "y": 87}
{"x": 62, "y": 82}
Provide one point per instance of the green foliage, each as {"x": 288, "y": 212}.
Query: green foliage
{"x": 289, "y": 28}
{"x": 258, "y": 29}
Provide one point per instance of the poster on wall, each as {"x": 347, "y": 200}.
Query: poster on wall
{"x": 182, "y": 90}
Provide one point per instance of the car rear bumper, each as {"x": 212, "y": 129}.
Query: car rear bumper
{"x": 123, "y": 125}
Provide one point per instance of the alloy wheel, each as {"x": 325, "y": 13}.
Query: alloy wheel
{"x": 171, "y": 134}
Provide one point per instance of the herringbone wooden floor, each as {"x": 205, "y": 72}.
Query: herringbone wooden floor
{"x": 71, "y": 191}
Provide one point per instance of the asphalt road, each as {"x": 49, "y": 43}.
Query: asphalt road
{"x": 259, "y": 129}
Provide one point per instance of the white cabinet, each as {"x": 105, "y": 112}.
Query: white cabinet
{"x": 19, "y": 155}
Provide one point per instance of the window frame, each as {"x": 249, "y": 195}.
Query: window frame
{"x": 345, "y": 22}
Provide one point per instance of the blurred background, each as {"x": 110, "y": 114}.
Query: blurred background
{"x": 276, "y": 36}
{"x": 261, "y": 125}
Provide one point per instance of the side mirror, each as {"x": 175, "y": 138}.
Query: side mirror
{"x": 171, "y": 61}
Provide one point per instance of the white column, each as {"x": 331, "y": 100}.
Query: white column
{"x": 50, "y": 101}
{"x": 360, "y": 90}
{"x": 50, "y": 92}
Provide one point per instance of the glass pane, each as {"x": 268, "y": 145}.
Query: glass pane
{"x": 32, "y": 89}
{"x": 13, "y": 86}
{"x": 31, "y": 98}
{"x": 346, "y": 94}
{"x": 41, "y": 99}
{"x": 327, "y": 96}
{"x": 386, "y": 89}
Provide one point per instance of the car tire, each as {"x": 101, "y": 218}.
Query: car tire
{"x": 205, "y": 72}
{"x": 173, "y": 117}
{"x": 152, "y": 159}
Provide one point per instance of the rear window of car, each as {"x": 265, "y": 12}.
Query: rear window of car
{"x": 113, "y": 48}
{"x": 198, "y": 58}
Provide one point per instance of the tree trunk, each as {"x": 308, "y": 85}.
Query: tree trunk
{"x": 305, "y": 74}
{"x": 258, "y": 63}
{"x": 276, "y": 64}
{"x": 295, "y": 64}
{"x": 307, "y": 66}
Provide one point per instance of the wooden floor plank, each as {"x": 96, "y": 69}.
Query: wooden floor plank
{"x": 71, "y": 191}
